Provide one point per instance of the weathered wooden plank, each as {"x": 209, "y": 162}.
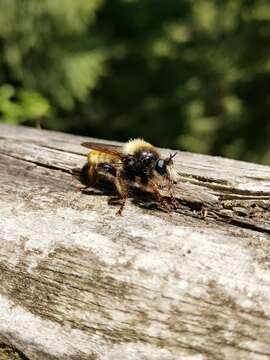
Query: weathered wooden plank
{"x": 77, "y": 282}
{"x": 203, "y": 168}
{"x": 234, "y": 191}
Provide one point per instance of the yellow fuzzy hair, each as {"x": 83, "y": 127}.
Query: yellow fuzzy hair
{"x": 134, "y": 144}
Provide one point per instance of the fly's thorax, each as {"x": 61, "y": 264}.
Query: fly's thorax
{"x": 147, "y": 154}
{"x": 141, "y": 157}
{"x": 134, "y": 145}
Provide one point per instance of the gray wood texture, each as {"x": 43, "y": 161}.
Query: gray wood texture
{"x": 79, "y": 282}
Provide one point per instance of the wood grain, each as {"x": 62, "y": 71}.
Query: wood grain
{"x": 78, "y": 282}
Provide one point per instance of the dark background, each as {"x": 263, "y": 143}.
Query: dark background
{"x": 193, "y": 75}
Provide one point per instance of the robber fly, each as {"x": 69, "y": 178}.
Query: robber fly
{"x": 136, "y": 164}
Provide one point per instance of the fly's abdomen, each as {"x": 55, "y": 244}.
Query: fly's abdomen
{"x": 97, "y": 157}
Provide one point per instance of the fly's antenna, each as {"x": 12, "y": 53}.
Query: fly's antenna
{"x": 169, "y": 159}
{"x": 172, "y": 156}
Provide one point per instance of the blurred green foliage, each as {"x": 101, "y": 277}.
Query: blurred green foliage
{"x": 187, "y": 74}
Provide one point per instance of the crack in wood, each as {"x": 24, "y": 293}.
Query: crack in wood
{"x": 9, "y": 352}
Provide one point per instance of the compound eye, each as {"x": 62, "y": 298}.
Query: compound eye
{"x": 161, "y": 166}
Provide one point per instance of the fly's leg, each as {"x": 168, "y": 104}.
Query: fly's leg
{"x": 154, "y": 189}
{"x": 122, "y": 188}
{"x": 174, "y": 201}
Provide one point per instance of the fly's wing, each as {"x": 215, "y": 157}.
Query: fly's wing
{"x": 107, "y": 149}
{"x": 114, "y": 151}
